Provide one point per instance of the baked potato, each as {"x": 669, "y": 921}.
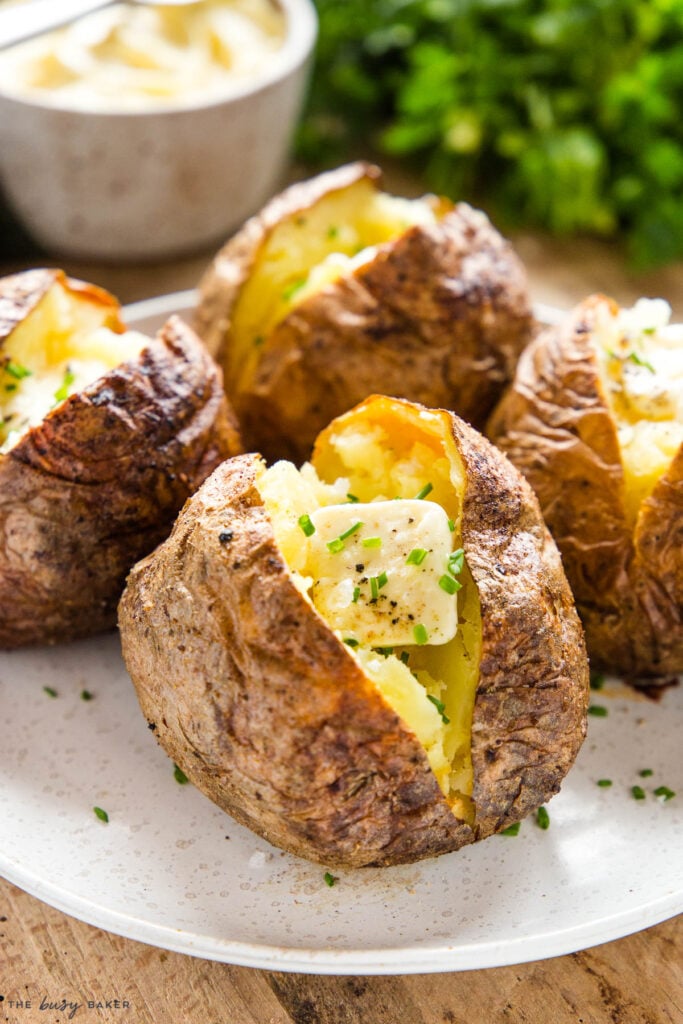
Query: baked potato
{"x": 337, "y": 290}
{"x": 368, "y": 661}
{"x": 103, "y": 435}
{"x": 594, "y": 419}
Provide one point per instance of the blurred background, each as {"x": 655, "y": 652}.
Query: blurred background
{"x": 561, "y": 119}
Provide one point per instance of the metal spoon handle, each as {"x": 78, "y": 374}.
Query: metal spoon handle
{"x": 37, "y": 16}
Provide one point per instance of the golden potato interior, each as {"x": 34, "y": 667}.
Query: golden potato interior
{"x": 310, "y": 248}
{"x": 641, "y": 364}
{"x": 72, "y": 336}
{"x": 408, "y": 454}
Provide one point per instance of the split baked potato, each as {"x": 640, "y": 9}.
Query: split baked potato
{"x": 338, "y": 290}
{"x": 372, "y": 660}
{"x": 103, "y": 435}
{"x": 594, "y": 420}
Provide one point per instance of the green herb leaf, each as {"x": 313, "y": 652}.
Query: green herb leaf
{"x": 511, "y": 830}
{"x": 456, "y": 561}
{"x": 306, "y": 525}
{"x": 179, "y": 775}
{"x": 451, "y": 525}
{"x": 350, "y": 642}
{"x": 645, "y": 773}
{"x": 597, "y": 680}
{"x": 291, "y": 290}
{"x": 382, "y": 580}
{"x": 102, "y": 815}
{"x": 440, "y": 707}
{"x": 50, "y": 691}
{"x": 420, "y": 634}
{"x": 450, "y": 585}
{"x": 604, "y": 783}
{"x": 352, "y": 498}
{"x": 372, "y": 542}
{"x": 351, "y": 530}
{"x": 417, "y": 556}
{"x": 637, "y": 792}
{"x": 384, "y": 651}
{"x": 86, "y": 695}
{"x": 542, "y": 818}
{"x": 374, "y": 588}
{"x": 356, "y": 595}
{"x": 10, "y": 387}
{"x": 597, "y": 710}
{"x": 664, "y": 792}
{"x": 330, "y": 879}
{"x": 62, "y": 392}
{"x": 258, "y": 341}
{"x": 335, "y": 546}
{"x": 424, "y": 491}
{"x": 405, "y": 657}
{"x": 332, "y": 232}
{"x": 17, "y": 371}
{"x": 635, "y": 358}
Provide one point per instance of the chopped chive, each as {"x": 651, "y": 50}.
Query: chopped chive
{"x": 62, "y": 391}
{"x": 456, "y": 561}
{"x": 351, "y": 530}
{"x": 330, "y": 879}
{"x": 10, "y": 387}
{"x": 420, "y": 634}
{"x": 440, "y": 707}
{"x": 332, "y": 231}
{"x": 372, "y": 542}
{"x": 635, "y": 358}
{"x": 50, "y": 691}
{"x": 451, "y": 525}
{"x": 511, "y": 830}
{"x": 637, "y": 792}
{"x": 405, "y": 657}
{"x": 356, "y": 595}
{"x": 385, "y": 651}
{"x": 542, "y": 818}
{"x": 102, "y": 815}
{"x": 424, "y": 491}
{"x": 335, "y": 546}
{"x": 604, "y": 783}
{"x": 350, "y": 642}
{"x": 290, "y": 291}
{"x": 86, "y": 695}
{"x": 179, "y": 775}
{"x": 417, "y": 556}
{"x": 382, "y": 580}
{"x": 450, "y": 585}
{"x": 645, "y": 773}
{"x": 374, "y": 588}
{"x": 597, "y": 680}
{"x": 17, "y": 371}
{"x": 258, "y": 341}
{"x": 597, "y": 710}
{"x": 664, "y": 792}
{"x": 306, "y": 525}
{"x": 352, "y": 498}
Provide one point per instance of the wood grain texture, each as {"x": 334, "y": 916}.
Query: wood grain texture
{"x": 46, "y": 956}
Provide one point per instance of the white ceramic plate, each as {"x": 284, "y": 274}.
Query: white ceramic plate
{"x": 172, "y": 870}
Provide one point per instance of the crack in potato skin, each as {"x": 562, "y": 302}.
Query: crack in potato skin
{"x": 268, "y": 713}
{"x": 98, "y": 483}
{"x": 555, "y": 424}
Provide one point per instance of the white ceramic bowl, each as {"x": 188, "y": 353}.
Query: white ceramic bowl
{"x": 154, "y": 184}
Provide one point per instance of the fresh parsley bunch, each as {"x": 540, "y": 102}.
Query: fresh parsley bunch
{"x": 564, "y": 114}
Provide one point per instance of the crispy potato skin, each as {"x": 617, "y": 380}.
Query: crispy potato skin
{"x": 98, "y": 483}
{"x": 439, "y": 317}
{"x": 271, "y": 716}
{"x": 556, "y": 426}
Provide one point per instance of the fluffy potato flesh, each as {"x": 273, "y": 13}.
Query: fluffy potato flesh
{"x": 70, "y": 338}
{"x": 309, "y": 249}
{"x": 390, "y": 577}
{"x": 641, "y": 366}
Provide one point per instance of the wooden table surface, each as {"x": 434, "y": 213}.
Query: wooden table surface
{"x": 47, "y": 957}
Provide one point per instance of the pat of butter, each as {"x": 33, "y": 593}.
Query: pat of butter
{"x": 364, "y": 584}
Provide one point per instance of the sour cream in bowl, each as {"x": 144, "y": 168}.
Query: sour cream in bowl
{"x": 144, "y": 132}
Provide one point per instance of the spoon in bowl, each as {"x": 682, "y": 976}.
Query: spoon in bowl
{"x": 23, "y": 21}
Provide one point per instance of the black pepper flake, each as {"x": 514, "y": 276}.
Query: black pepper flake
{"x": 225, "y": 536}
{"x": 152, "y": 725}
{"x": 394, "y": 604}
{"x": 360, "y": 567}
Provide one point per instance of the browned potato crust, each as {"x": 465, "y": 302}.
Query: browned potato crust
{"x": 439, "y": 316}
{"x": 269, "y": 714}
{"x": 556, "y": 426}
{"x": 98, "y": 483}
